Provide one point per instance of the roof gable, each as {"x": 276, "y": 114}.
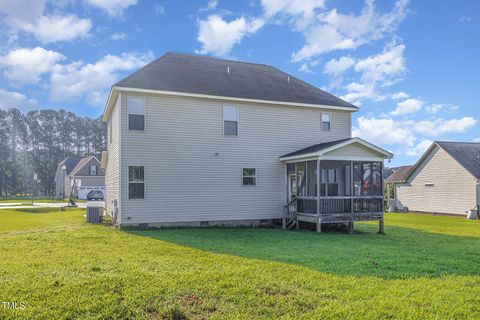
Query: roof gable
{"x": 466, "y": 154}
{"x": 196, "y": 74}
{"x": 84, "y": 162}
{"x": 331, "y": 146}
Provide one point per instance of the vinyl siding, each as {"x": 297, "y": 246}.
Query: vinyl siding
{"x": 453, "y": 191}
{"x": 92, "y": 181}
{"x": 112, "y": 173}
{"x": 85, "y": 170}
{"x": 354, "y": 151}
{"x": 194, "y": 173}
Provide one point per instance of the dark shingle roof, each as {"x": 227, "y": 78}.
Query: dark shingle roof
{"x": 465, "y": 153}
{"x": 70, "y": 163}
{"x": 399, "y": 174}
{"x": 315, "y": 148}
{"x": 206, "y": 75}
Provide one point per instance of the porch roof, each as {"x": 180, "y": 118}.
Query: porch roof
{"x": 319, "y": 150}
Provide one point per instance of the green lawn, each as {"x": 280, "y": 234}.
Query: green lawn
{"x": 28, "y": 201}
{"x": 60, "y": 267}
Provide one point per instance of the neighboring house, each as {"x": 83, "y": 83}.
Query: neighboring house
{"x": 444, "y": 180}
{"x": 77, "y": 176}
{"x": 397, "y": 175}
{"x": 195, "y": 140}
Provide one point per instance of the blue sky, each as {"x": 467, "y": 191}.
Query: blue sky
{"x": 412, "y": 66}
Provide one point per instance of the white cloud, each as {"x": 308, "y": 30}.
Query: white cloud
{"x": 419, "y": 149}
{"x": 405, "y": 134}
{"x": 30, "y": 17}
{"x": 384, "y": 131}
{"x": 211, "y": 5}
{"x": 27, "y": 65}
{"x": 336, "y": 67}
{"x": 58, "y": 28}
{"x": 384, "y": 67}
{"x": 119, "y": 36}
{"x": 10, "y": 99}
{"x": 434, "y": 108}
{"x": 476, "y": 140}
{"x": 300, "y": 12}
{"x": 400, "y": 95}
{"x": 407, "y": 106}
{"x": 159, "y": 9}
{"x": 79, "y": 80}
{"x": 336, "y": 31}
{"x": 356, "y": 92}
{"x": 113, "y": 8}
{"x": 465, "y": 19}
{"x": 438, "y": 127}
{"x": 219, "y": 36}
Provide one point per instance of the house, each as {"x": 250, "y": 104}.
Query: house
{"x": 195, "y": 140}
{"x": 446, "y": 179}
{"x": 397, "y": 175}
{"x": 77, "y": 176}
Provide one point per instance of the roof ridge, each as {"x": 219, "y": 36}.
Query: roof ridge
{"x": 215, "y": 58}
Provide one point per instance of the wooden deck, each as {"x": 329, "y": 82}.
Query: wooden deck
{"x": 349, "y": 218}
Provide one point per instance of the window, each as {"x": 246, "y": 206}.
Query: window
{"x": 136, "y": 182}
{"x": 249, "y": 176}
{"x": 230, "y": 121}
{"x": 429, "y": 184}
{"x": 93, "y": 170}
{"x": 136, "y": 113}
{"x": 326, "y": 121}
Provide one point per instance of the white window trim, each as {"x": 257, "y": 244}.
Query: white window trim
{"x": 144, "y": 116}
{"x": 255, "y": 176}
{"x": 144, "y": 182}
{"x": 91, "y": 171}
{"x": 329, "y": 118}
{"x": 223, "y": 121}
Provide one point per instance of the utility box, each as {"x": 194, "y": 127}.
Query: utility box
{"x": 94, "y": 214}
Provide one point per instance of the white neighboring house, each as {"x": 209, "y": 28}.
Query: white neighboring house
{"x": 446, "y": 179}
{"x": 78, "y": 176}
{"x": 195, "y": 140}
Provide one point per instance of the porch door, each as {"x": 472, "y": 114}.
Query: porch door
{"x": 292, "y": 186}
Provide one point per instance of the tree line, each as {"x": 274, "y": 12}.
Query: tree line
{"x": 34, "y": 143}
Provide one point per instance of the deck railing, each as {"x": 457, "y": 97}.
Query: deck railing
{"x": 342, "y": 204}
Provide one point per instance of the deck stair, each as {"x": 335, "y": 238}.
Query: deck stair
{"x": 290, "y": 219}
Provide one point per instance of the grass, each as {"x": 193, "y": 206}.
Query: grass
{"x": 424, "y": 267}
{"x": 28, "y": 200}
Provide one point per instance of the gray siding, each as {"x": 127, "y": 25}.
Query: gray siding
{"x": 194, "y": 173}
{"x": 355, "y": 151}
{"x": 112, "y": 170}
{"x": 453, "y": 191}
{"x": 85, "y": 170}
{"x": 91, "y": 181}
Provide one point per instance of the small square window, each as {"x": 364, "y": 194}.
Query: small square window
{"x": 326, "y": 121}
{"x": 249, "y": 176}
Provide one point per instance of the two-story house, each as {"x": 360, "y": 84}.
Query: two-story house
{"x": 195, "y": 140}
{"x": 77, "y": 176}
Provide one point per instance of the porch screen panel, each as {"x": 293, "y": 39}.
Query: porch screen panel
{"x": 367, "y": 179}
{"x": 301, "y": 185}
{"x": 312, "y": 178}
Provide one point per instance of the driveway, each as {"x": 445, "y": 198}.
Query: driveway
{"x": 6, "y": 205}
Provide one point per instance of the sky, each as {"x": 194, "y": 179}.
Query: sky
{"x": 412, "y": 67}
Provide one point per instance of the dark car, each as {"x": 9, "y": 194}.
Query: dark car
{"x": 95, "y": 195}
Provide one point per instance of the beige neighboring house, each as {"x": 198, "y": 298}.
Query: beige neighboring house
{"x": 78, "y": 176}
{"x": 195, "y": 140}
{"x": 396, "y": 177}
{"x": 446, "y": 179}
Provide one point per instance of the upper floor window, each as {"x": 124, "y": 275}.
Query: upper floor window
{"x": 136, "y": 113}
{"x": 136, "y": 182}
{"x": 230, "y": 121}
{"x": 326, "y": 121}
{"x": 93, "y": 170}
